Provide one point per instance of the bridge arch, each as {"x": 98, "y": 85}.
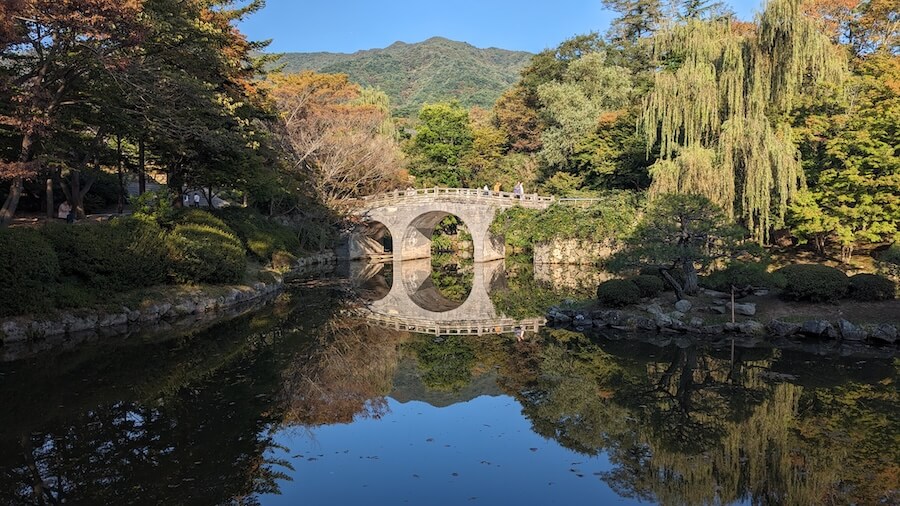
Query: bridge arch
{"x": 399, "y": 309}
{"x": 412, "y": 215}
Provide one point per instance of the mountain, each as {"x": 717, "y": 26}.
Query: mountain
{"x": 435, "y": 70}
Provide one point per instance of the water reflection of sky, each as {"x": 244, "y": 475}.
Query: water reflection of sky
{"x": 482, "y": 451}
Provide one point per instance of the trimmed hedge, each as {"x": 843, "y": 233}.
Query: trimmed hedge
{"x": 29, "y": 269}
{"x": 618, "y": 292}
{"x": 262, "y": 237}
{"x": 648, "y": 285}
{"x": 122, "y": 254}
{"x": 741, "y": 274}
{"x": 205, "y": 254}
{"x": 871, "y": 287}
{"x": 813, "y": 282}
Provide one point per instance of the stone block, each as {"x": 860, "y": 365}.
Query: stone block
{"x": 850, "y": 332}
{"x": 885, "y": 333}
{"x": 751, "y": 327}
{"x": 683, "y": 306}
{"x": 783, "y": 329}
{"x": 746, "y": 309}
{"x": 815, "y": 328}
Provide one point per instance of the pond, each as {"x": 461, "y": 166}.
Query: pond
{"x": 324, "y": 397}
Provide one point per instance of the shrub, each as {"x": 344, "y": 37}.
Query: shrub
{"x": 891, "y": 255}
{"x": 618, "y": 292}
{"x": 283, "y": 261}
{"x": 888, "y": 261}
{"x": 261, "y": 236}
{"x": 813, "y": 282}
{"x": 872, "y": 287}
{"x": 156, "y": 205}
{"x": 74, "y": 295}
{"x": 648, "y": 285}
{"x": 121, "y": 254}
{"x": 205, "y": 254}
{"x": 678, "y": 274}
{"x": 29, "y": 268}
{"x": 741, "y": 274}
{"x": 200, "y": 217}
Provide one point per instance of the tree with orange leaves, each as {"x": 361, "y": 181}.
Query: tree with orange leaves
{"x": 334, "y": 137}
{"x": 49, "y": 48}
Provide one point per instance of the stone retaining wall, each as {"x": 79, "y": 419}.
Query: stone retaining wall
{"x": 200, "y": 303}
{"x": 570, "y": 277}
{"x": 573, "y": 251}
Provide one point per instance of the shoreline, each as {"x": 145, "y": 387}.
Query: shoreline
{"x": 25, "y": 335}
{"x": 649, "y": 323}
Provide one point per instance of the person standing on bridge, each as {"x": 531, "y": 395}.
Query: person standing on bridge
{"x": 518, "y": 190}
{"x": 497, "y": 187}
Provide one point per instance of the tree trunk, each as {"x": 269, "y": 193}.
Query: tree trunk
{"x": 142, "y": 172}
{"x": 120, "y": 205}
{"x": 49, "y": 198}
{"x": 176, "y": 184}
{"x": 12, "y": 201}
{"x": 691, "y": 279}
{"x": 209, "y": 197}
{"x": 75, "y": 198}
{"x": 8, "y": 211}
{"x": 679, "y": 290}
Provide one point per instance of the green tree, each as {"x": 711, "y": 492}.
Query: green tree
{"x": 680, "y": 232}
{"x": 637, "y": 19}
{"x": 854, "y": 182}
{"x": 719, "y": 104}
{"x": 443, "y": 137}
{"x": 703, "y": 9}
{"x": 573, "y": 106}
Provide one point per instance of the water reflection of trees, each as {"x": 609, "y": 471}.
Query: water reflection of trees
{"x": 181, "y": 419}
{"x": 346, "y": 372}
{"x": 525, "y": 296}
{"x": 191, "y": 419}
{"x": 452, "y": 275}
{"x": 691, "y": 426}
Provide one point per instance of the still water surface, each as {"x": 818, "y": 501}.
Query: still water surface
{"x": 310, "y": 402}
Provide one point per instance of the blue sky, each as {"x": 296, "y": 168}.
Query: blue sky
{"x": 346, "y": 26}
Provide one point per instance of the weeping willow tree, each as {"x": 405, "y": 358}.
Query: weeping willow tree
{"x": 719, "y": 109}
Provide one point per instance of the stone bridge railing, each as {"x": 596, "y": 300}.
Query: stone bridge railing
{"x": 430, "y": 194}
{"x": 472, "y": 327}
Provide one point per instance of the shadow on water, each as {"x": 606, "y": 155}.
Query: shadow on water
{"x": 242, "y": 412}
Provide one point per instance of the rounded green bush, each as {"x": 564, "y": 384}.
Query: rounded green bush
{"x": 872, "y": 287}
{"x": 261, "y": 236}
{"x": 618, "y": 292}
{"x": 122, "y": 254}
{"x": 741, "y": 274}
{"x": 201, "y": 217}
{"x": 813, "y": 282}
{"x": 891, "y": 255}
{"x": 649, "y": 286}
{"x": 205, "y": 254}
{"x": 678, "y": 274}
{"x": 29, "y": 268}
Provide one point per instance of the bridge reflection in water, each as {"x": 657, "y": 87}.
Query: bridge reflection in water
{"x": 411, "y": 302}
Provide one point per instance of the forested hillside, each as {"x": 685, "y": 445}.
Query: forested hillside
{"x": 435, "y": 70}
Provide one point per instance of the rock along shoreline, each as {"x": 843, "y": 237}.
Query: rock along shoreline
{"x": 652, "y": 323}
{"x": 202, "y": 306}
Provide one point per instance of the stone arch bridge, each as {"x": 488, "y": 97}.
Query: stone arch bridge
{"x": 410, "y": 216}
{"x": 412, "y": 303}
